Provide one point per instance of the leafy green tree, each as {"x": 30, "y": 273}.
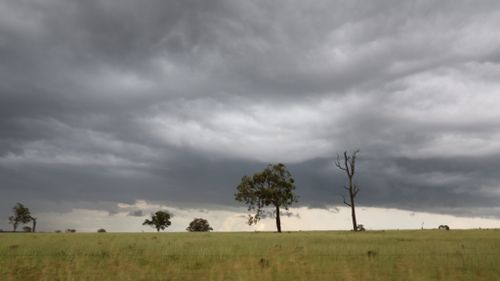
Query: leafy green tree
{"x": 199, "y": 224}
{"x": 159, "y": 220}
{"x": 21, "y": 215}
{"x": 274, "y": 186}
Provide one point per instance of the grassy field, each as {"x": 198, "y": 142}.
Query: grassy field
{"x": 389, "y": 255}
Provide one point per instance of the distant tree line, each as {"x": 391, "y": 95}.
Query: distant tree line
{"x": 161, "y": 220}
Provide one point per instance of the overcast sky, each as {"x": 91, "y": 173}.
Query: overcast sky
{"x": 123, "y": 107}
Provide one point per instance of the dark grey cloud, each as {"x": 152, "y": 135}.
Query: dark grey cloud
{"x": 112, "y": 101}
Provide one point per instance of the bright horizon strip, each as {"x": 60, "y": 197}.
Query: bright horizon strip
{"x": 309, "y": 219}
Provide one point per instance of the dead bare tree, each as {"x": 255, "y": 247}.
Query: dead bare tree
{"x": 348, "y": 164}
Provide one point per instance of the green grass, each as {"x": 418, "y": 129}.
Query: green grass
{"x": 390, "y": 255}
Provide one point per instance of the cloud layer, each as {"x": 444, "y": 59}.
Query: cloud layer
{"x": 112, "y": 101}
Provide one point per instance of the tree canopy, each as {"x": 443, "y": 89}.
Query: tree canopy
{"x": 273, "y": 186}
{"x": 21, "y": 215}
{"x": 199, "y": 224}
{"x": 159, "y": 220}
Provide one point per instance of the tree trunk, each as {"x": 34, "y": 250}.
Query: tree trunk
{"x": 278, "y": 221}
{"x": 34, "y": 225}
{"x": 353, "y": 209}
{"x": 353, "y": 214}
{"x": 15, "y": 226}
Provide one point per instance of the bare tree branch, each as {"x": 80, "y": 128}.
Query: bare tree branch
{"x": 345, "y": 202}
{"x": 355, "y": 191}
{"x": 337, "y": 163}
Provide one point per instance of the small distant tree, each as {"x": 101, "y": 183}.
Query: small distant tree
{"x": 348, "y": 165}
{"x": 444, "y": 227}
{"x": 101, "y": 230}
{"x": 199, "y": 224}
{"x": 21, "y": 215}
{"x": 70, "y": 230}
{"x": 27, "y": 229}
{"x": 274, "y": 186}
{"x": 159, "y": 220}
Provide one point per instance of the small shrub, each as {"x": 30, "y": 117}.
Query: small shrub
{"x": 27, "y": 229}
{"x": 70, "y": 230}
{"x": 371, "y": 253}
{"x": 264, "y": 263}
{"x": 101, "y": 230}
{"x": 444, "y": 227}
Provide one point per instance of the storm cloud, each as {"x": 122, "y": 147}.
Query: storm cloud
{"x": 112, "y": 101}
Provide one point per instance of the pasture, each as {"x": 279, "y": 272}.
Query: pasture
{"x": 385, "y": 255}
